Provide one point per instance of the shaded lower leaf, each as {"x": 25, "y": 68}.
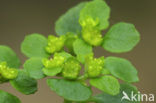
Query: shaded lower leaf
{"x": 122, "y": 69}
{"x": 24, "y": 84}
{"x": 66, "y": 101}
{"x": 8, "y": 98}
{"x": 106, "y": 98}
{"x": 3, "y": 80}
{"x": 34, "y": 68}
{"x": 70, "y": 90}
{"x": 70, "y": 38}
{"x": 107, "y": 84}
{"x": 9, "y": 56}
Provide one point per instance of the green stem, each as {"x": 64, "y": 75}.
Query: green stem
{"x": 83, "y": 77}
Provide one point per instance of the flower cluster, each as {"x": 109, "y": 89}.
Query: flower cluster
{"x": 69, "y": 66}
{"x": 90, "y": 31}
{"x": 71, "y": 69}
{"x": 55, "y": 44}
{"x": 57, "y": 61}
{"x": 94, "y": 66}
{"x": 6, "y": 72}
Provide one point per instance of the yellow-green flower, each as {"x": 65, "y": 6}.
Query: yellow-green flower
{"x": 55, "y": 44}
{"x": 90, "y": 31}
{"x": 94, "y": 66}
{"x": 6, "y": 72}
{"x": 56, "y": 61}
{"x": 71, "y": 69}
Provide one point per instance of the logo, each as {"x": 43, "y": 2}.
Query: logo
{"x": 137, "y": 97}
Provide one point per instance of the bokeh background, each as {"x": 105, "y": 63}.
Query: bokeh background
{"x": 22, "y": 17}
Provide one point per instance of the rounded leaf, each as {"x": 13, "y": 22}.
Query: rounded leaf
{"x": 81, "y": 49}
{"x": 24, "y": 84}
{"x": 9, "y": 56}
{"x": 52, "y": 71}
{"x": 106, "y": 98}
{"x": 122, "y": 69}
{"x": 69, "y": 22}
{"x": 65, "y": 55}
{"x": 34, "y": 46}
{"x": 34, "y": 67}
{"x": 8, "y": 98}
{"x": 107, "y": 84}
{"x": 70, "y": 90}
{"x": 122, "y": 37}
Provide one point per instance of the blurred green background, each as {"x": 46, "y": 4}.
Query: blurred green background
{"x": 22, "y": 17}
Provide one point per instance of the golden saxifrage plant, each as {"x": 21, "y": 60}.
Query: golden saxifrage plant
{"x": 68, "y": 58}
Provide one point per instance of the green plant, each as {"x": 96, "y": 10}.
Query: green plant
{"x": 79, "y": 31}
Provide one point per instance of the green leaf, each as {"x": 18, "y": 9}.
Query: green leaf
{"x": 105, "y": 71}
{"x": 66, "y": 101}
{"x": 107, "y": 84}
{"x": 2, "y": 80}
{"x": 52, "y": 71}
{"x": 65, "y": 54}
{"x": 70, "y": 38}
{"x": 70, "y": 90}
{"x": 122, "y": 37}
{"x": 8, "y": 98}
{"x": 81, "y": 49}
{"x": 24, "y": 84}
{"x": 34, "y": 46}
{"x": 122, "y": 69}
{"x": 97, "y": 9}
{"x": 69, "y": 22}
{"x": 34, "y": 68}
{"x": 9, "y": 56}
{"x": 106, "y": 98}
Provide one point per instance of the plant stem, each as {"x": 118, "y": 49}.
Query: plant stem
{"x": 83, "y": 77}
